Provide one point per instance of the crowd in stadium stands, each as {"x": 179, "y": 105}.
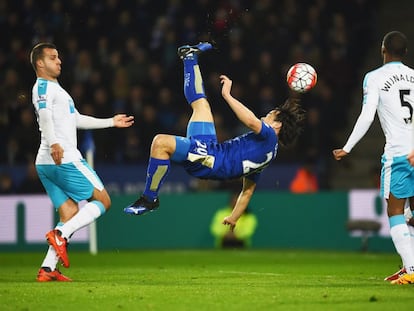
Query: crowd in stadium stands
{"x": 120, "y": 56}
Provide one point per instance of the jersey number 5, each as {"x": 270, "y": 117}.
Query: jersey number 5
{"x": 405, "y": 103}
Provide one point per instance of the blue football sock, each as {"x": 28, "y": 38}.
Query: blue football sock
{"x": 193, "y": 81}
{"x": 157, "y": 171}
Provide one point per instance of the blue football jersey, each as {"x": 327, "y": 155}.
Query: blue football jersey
{"x": 244, "y": 155}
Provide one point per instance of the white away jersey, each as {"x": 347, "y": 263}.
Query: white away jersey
{"x": 389, "y": 91}
{"x": 50, "y": 95}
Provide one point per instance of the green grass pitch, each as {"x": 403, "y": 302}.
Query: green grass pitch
{"x": 207, "y": 280}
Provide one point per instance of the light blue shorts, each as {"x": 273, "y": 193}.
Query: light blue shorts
{"x": 75, "y": 180}
{"x": 397, "y": 177}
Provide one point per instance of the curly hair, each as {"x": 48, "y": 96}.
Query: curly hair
{"x": 292, "y": 116}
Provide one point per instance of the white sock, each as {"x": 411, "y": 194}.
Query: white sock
{"x": 51, "y": 259}
{"x": 84, "y": 217}
{"x": 410, "y": 214}
{"x": 411, "y": 230}
{"x": 402, "y": 241}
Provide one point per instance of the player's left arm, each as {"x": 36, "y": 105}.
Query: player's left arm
{"x": 242, "y": 202}
{"x": 88, "y": 122}
{"x": 244, "y": 114}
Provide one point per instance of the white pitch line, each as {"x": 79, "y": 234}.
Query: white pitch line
{"x": 251, "y": 273}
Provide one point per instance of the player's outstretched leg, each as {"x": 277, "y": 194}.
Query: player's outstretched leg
{"x": 194, "y": 87}
{"x": 189, "y": 50}
{"x": 159, "y": 164}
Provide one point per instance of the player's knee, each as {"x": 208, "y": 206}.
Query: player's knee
{"x": 103, "y": 197}
{"x": 67, "y": 210}
{"x": 163, "y": 142}
{"x": 106, "y": 201}
{"x": 159, "y": 140}
{"x": 201, "y": 106}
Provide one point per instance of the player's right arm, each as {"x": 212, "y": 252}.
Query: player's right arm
{"x": 242, "y": 202}
{"x": 244, "y": 114}
{"x": 365, "y": 119}
{"x": 46, "y": 125}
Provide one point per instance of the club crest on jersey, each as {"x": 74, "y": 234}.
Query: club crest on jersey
{"x": 42, "y": 98}
{"x": 41, "y": 101}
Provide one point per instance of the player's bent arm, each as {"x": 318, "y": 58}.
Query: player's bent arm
{"x": 46, "y": 126}
{"x": 48, "y": 131}
{"x": 242, "y": 202}
{"x": 244, "y": 114}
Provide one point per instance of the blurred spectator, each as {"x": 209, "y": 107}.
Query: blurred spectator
{"x": 6, "y": 184}
{"x": 242, "y": 235}
{"x": 375, "y": 172}
{"x": 147, "y": 124}
{"x": 306, "y": 49}
{"x": 25, "y": 137}
{"x": 136, "y": 100}
{"x": 31, "y": 183}
{"x": 137, "y": 67}
{"x": 133, "y": 148}
{"x": 169, "y": 112}
{"x": 306, "y": 179}
{"x": 83, "y": 68}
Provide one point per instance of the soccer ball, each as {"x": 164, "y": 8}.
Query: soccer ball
{"x": 301, "y": 77}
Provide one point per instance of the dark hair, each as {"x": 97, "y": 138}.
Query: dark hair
{"x": 395, "y": 43}
{"x": 37, "y": 52}
{"x": 292, "y": 115}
